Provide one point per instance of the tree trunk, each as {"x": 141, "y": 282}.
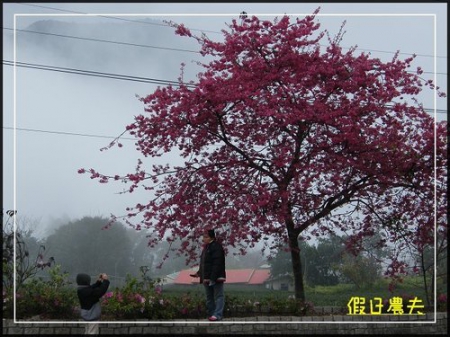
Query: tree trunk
{"x": 296, "y": 267}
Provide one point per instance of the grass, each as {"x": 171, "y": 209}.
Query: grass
{"x": 338, "y": 295}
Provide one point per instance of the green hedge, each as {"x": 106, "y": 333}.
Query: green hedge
{"x": 56, "y": 300}
{"x": 137, "y": 300}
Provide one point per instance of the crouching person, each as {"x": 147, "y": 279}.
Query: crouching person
{"x": 89, "y": 297}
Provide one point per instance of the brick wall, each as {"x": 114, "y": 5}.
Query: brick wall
{"x": 333, "y": 324}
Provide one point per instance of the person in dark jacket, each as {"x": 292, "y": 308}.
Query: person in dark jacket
{"x": 212, "y": 275}
{"x": 89, "y": 297}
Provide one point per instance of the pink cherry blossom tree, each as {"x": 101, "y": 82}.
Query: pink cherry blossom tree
{"x": 283, "y": 138}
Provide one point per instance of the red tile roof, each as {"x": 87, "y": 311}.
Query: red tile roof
{"x": 234, "y": 276}
{"x": 260, "y": 276}
{"x": 184, "y": 277}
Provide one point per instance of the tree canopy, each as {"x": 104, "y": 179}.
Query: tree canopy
{"x": 282, "y": 136}
{"x": 80, "y": 246}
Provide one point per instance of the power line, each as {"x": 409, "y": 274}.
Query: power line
{"x": 114, "y": 137}
{"x": 95, "y": 73}
{"x": 209, "y": 31}
{"x": 148, "y": 46}
{"x": 66, "y": 133}
{"x": 123, "y": 77}
{"x": 439, "y": 111}
{"x": 104, "y": 41}
{"x": 115, "y": 18}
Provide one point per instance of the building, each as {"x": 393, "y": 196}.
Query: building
{"x": 281, "y": 282}
{"x": 248, "y": 276}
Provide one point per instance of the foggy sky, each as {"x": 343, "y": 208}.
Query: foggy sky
{"x": 70, "y": 117}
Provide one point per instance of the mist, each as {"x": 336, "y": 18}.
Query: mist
{"x": 74, "y": 116}
{"x": 64, "y": 119}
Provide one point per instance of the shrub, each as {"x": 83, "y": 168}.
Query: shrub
{"x": 136, "y": 302}
{"x": 127, "y": 302}
{"x": 50, "y": 299}
{"x": 56, "y": 300}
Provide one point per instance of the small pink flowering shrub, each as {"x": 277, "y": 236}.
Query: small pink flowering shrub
{"x": 133, "y": 301}
{"x": 128, "y": 302}
{"x": 119, "y": 304}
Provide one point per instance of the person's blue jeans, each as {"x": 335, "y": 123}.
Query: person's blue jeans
{"x": 215, "y": 300}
